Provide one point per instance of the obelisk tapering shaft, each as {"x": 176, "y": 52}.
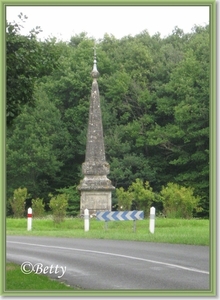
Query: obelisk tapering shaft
{"x": 95, "y": 187}
{"x": 95, "y": 150}
{"x": 95, "y": 162}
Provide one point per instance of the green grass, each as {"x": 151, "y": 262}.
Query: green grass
{"x": 176, "y": 231}
{"x": 17, "y": 281}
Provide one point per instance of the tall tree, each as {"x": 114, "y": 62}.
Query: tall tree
{"x": 35, "y": 145}
{"x": 184, "y": 137}
{"x": 27, "y": 59}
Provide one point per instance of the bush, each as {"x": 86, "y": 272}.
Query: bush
{"x": 124, "y": 199}
{"x": 18, "y": 202}
{"x": 139, "y": 195}
{"x": 58, "y": 204}
{"x": 38, "y": 208}
{"x": 73, "y": 208}
{"x": 178, "y": 201}
{"x": 142, "y": 194}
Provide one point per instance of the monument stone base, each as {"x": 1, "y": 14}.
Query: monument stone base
{"x": 95, "y": 201}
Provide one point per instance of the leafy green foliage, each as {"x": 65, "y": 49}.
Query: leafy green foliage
{"x": 155, "y": 110}
{"x": 138, "y": 196}
{"x": 142, "y": 194}
{"x": 18, "y": 202}
{"x": 38, "y": 208}
{"x": 27, "y": 59}
{"x": 20, "y": 70}
{"x": 178, "y": 201}
{"x": 124, "y": 199}
{"x": 58, "y": 204}
{"x": 73, "y": 208}
{"x": 35, "y": 143}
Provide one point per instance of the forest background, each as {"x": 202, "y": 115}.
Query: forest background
{"x": 155, "y": 95}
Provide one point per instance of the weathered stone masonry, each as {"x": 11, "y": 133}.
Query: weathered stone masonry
{"x": 96, "y": 188}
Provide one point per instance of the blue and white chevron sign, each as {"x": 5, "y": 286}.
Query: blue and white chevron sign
{"x": 119, "y": 215}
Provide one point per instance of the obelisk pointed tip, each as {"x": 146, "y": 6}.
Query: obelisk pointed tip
{"x": 95, "y": 73}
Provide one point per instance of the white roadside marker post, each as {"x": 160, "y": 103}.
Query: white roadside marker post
{"x": 29, "y": 219}
{"x": 152, "y": 219}
{"x": 86, "y": 220}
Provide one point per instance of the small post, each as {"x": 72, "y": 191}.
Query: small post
{"x": 29, "y": 219}
{"x": 152, "y": 219}
{"x": 86, "y": 220}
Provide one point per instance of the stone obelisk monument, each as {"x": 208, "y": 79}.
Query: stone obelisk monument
{"x": 96, "y": 188}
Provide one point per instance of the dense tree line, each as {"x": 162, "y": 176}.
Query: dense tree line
{"x": 155, "y": 108}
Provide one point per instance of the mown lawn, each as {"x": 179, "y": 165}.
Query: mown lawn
{"x": 176, "y": 231}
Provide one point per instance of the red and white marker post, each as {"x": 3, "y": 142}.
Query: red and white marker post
{"x": 29, "y": 219}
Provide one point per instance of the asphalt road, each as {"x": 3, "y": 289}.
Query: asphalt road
{"x": 113, "y": 265}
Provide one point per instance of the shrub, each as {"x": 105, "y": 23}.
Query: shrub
{"x": 18, "y": 202}
{"x": 124, "y": 199}
{"x": 139, "y": 194}
{"x": 178, "y": 201}
{"x": 37, "y": 208}
{"x": 58, "y": 204}
{"x": 73, "y": 208}
{"x": 142, "y": 194}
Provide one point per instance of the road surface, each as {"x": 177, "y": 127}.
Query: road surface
{"x": 94, "y": 264}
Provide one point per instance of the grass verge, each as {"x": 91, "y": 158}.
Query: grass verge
{"x": 175, "y": 231}
{"x": 17, "y": 281}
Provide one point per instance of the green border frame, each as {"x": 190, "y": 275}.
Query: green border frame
{"x": 213, "y": 145}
